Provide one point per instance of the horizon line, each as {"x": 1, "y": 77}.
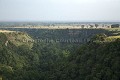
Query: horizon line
{"x": 62, "y": 21}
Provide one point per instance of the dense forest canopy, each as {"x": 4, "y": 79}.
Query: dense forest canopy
{"x": 96, "y": 59}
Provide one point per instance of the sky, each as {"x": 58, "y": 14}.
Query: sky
{"x": 60, "y": 10}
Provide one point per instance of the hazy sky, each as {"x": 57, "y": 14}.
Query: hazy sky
{"x": 59, "y": 10}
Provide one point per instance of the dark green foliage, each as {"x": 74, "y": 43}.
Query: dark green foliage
{"x": 60, "y": 61}
{"x": 99, "y": 61}
{"x": 3, "y": 38}
{"x": 100, "y": 37}
{"x": 115, "y": 26}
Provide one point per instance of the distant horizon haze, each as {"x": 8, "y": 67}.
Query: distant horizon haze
{"x": 59, "y": 10}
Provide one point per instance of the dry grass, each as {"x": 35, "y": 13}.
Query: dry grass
{"x": 112, "y": 38}
{"x": 18, "y": 39}
{"x": 6, "y": 31}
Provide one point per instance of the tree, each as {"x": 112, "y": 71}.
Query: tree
{"x": 91, "y": 26}
{"x": 115, "y": 26}
{"x": 99, "y": 37}
{"x": 82, "y": 26}
{"x": 96, "y": 25}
